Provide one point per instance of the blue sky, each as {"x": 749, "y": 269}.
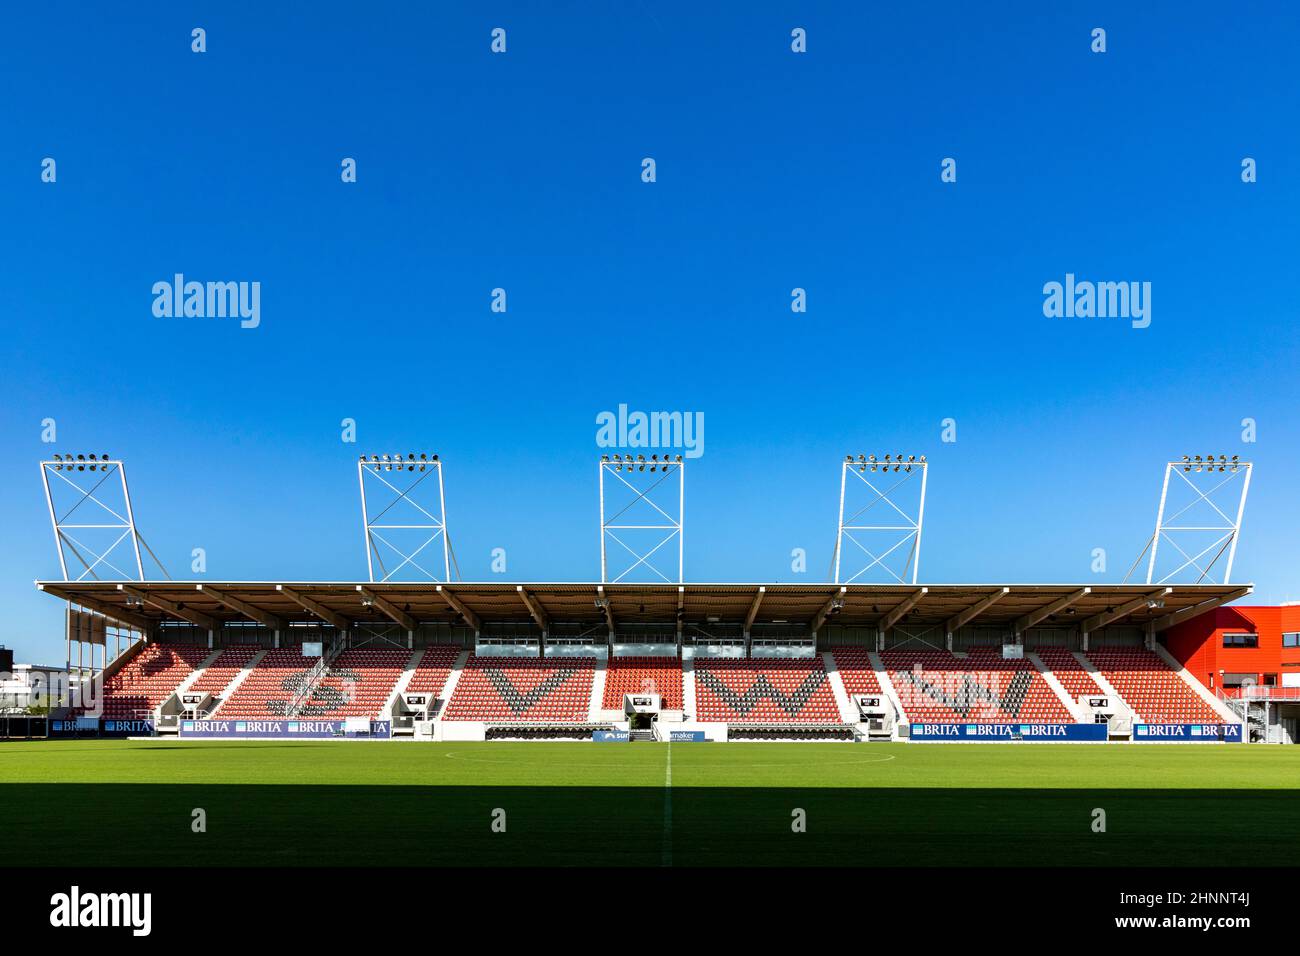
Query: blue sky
{"x": 774, "y": 170}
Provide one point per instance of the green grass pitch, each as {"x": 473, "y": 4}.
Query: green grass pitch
{"x": 306, "y": 803}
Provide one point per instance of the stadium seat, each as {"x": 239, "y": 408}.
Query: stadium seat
{"x": 643, "y": 675}
{"x": 507, "y": 688}
{"x": 217, "y": 676}
{"x": 856, "y": 670}
{"x": 269, "y": 687}
{"x": 434, "y": 668}
{"x": 764, "y": 691}
{"x": 1066, "y": 668}
{"x": 149, "y": 678}
{"x": 1151, "y": 688}
{"x": 982, "y": 687}
{"x": 358, "y": 684}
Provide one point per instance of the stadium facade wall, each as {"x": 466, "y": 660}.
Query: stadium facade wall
{"x": 1198, "y": 645}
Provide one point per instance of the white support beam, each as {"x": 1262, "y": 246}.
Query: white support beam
{"x": 603, "y": 601}
{"x": 388, "y": 608}
{"x": 129, "y": 618}
{"x": 265, "y": 618}
{"x": 460, "y": 608}
{"x": 1187, "y": 613}
{"x": 1037, "y": 616}
{"x": 173, "y": 608}
{"x": 1098, "y": 621}
{"x": 893, "y": 617}
{"x": 535, "y": 609}
{"x": 958, "y": 621}
{"x": 753, "y": 609}
{"x": 339, "y": 622}
{"x": 820, "y": 618}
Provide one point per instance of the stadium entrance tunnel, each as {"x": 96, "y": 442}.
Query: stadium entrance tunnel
{"x": 365, "y": 825}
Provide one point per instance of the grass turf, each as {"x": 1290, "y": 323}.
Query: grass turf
{"x": 370, "y": 803}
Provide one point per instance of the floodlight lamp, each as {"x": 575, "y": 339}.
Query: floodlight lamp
{"x": 871, "y": 457}
{"x": 848, "y": 457}
{"x": 679, "y": 457}
{"x": 81, "y": 458}
{"x": 434, "y": 458}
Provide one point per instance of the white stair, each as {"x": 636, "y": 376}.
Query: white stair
{"x": 1057, "y": 687}
{"x": 195, "y": 674}
{"x": 1104, "y": 684}
{"x": 453, "y": 679}
{"x": 1220, "y": 708}
{"x": 887, "y": 685}
{"x": 688, "y": 688}
{"x": 238, "y": 679}
{"x": 848, "y": 713}
{"x": 597, "y": 704}
{"x": 400, "y": 687}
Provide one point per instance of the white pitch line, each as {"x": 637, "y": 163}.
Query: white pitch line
{"x": 668, "y": 809}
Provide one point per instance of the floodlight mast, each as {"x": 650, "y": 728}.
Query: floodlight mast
{"x": 97, "y": 469}
{"x": 1222, "y": 537}
{"x": 909, "y": 529}
{"x": 431, "y": 525}
{"x": 673, "y": 526}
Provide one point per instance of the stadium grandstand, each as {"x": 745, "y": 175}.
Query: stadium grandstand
{"x": 486, "y": 661}
{"x": 620, "y": 660}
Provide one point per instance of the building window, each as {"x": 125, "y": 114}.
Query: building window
{"x": 1270, "y": 680}
{"x": 1241, "y": 640}
{"x": 1291, "y": 640}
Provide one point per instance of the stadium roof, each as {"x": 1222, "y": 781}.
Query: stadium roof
{"x": 143, "y": 604}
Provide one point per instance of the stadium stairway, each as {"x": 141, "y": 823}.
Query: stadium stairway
{"x": 688, "y": 689}
{"x": 449, "y": 687}
{"x": 848, "y": 713}
{"x": 193, "y": 676}
{"x": 238, "y": 679}
{"x": 402, "y": 683}
{"x": 1222, "y": 709}
{"x": 1099, "y": 679}
{"x": 596, "y": 708}
{"x": 887, "y": 686}
{"x": 1057, "y": 687}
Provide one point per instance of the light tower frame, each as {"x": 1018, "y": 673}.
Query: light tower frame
{"x": 104, "y": 468}
{"x": 910, "y": 530}
{"x": 435, "y": 526}
{"x": 616, "y": 465}
{"x": 1227, "y": 535}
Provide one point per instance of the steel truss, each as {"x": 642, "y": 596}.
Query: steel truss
{"x": 396, "y": 479}
{"x": 1215, "y": 534}
{"x": 642, "y": 479}
{"x": 892, "y": 479}
{"x": 90, "y": 503}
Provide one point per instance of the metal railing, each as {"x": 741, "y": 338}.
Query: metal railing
{"x": 1257, "y": 692}
{"x": 310, "y": 678}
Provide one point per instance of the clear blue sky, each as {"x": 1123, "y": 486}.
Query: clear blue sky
{"x": 522, "y": 170}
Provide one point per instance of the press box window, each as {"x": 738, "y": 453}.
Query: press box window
{"x": 1241, "y": 640}
{"x": 1291, "y": 640}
